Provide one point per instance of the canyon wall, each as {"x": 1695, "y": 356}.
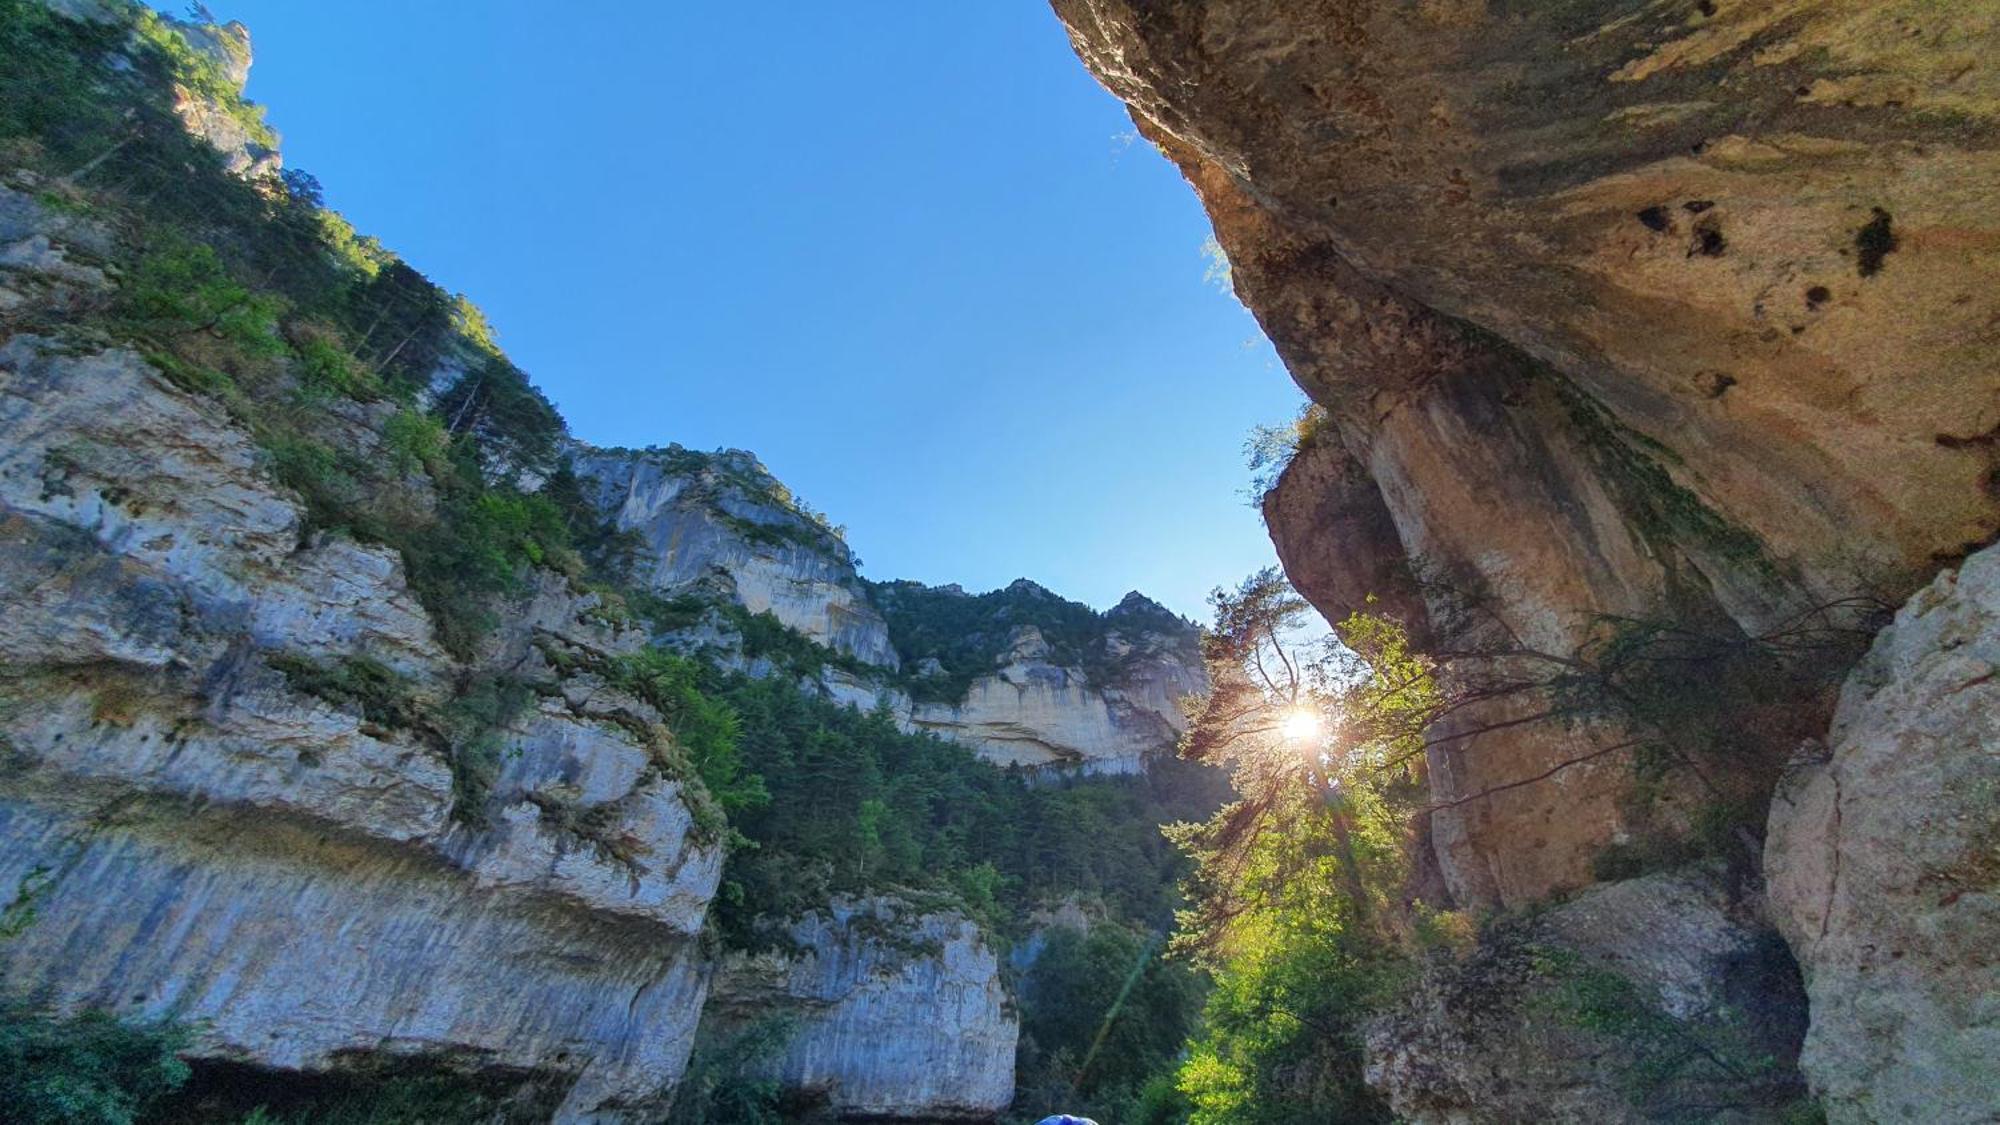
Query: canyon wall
{"x": 718, "y": 528}
{"x": 204, "y": 830}
{"x": 1623, "y": 319}
{"x": 1656, "y": 310}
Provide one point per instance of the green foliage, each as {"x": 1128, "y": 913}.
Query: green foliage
{"x": 721, "y": 1086}
{"x": 496, "y": 402}
{"x": 968, "y": 633}
{"x": 705, "y": 730}
{"x": 1269, "y": 450}
{"x": 179, "y": 287}
{"x": 856, "y": 804}
{"x": 381, "y": 694}
{"x": 415, "y": 440}
{"x": 1659, "y": 1057}
{"x": 22, "y": 910}
{"x": 1103, "y": 1016}
{"x": 1297, "y": 886}
{"x": 329, "y": 313}
{"x": 201, "y": 75}
{"x": 89, "y": 1069}
{"x": 471, "y": 724}
{"x": 767, "y": 638}
{"x": 326, "y": 370}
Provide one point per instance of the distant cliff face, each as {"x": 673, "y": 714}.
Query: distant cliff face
{"x": 895, "y": 1012}
{"x": 721, "y": 520}
{"x": 1029, "y": 679}
{"x": 1021, "y": 675}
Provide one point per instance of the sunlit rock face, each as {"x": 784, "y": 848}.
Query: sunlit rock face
{"x": 721, "y": 520}
{"x": 1884, "y": 866}
{"x": 1106, "y": 713}
{"x": 889, "y": 1012}
{"x": 208, "y": 838}
{"x": 1675, "y": 311}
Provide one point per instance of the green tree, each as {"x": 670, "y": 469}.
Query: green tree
{"x": 1295, "y": 900}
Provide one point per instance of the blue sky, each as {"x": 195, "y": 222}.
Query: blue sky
{"x": 910, "y": 254}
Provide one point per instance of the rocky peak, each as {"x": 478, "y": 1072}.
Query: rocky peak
{"x": 704, "y": 518}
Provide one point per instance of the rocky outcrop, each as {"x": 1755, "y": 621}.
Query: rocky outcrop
{"x": 1104, "y": 701}
{"x": 1034, "y": 712}
{"x": 709, "y": 520}
{"x": 1653, "y": 999}
{"x": 1884, "y": 866}
{"x": 885, "y": 1011}
{"x": 205, "y": 831}
{"x": 1612, "y": 310}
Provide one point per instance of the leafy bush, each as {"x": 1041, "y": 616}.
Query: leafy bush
{"x": 704, "y": 729}
{"x": 89, "y": 1069}
{"x": 379, "y": 692}
{"x": 1102, "y": 1017}
{"x": 180, "y": 286}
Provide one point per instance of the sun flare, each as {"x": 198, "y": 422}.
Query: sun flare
{"x": 1301, "y": 725}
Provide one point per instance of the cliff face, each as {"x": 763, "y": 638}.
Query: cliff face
{"x": 185, "y": 797}
{"x": 1041, "y": 708}
{"x": 1622, "y": 317}
{"x": 722, "y": 518}
{"x": 1676, "y": 311}
{"x": 1884, "y": 866}
{"x": 893, "y": 1012}
{"x": 719, "y": 527}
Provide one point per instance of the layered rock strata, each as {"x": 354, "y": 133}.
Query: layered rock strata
{"x": 1613, "y": 308}
{"x": 883, "y": 1010}
{"x": 199, "y": 836}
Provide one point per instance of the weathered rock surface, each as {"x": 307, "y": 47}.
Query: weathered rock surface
{"x": 1032, "y": 711}
{"x": 221, "y": 845}
{"x": 709, "y": 518}
{"x": 1653, "y": 999}
{"x": 1613, "y": 309}
{"x": 1884, "y": 866}
{"x": 892, "y": 1012}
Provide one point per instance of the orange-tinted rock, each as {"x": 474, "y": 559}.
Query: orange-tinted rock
{"x": 1682, "y": 311}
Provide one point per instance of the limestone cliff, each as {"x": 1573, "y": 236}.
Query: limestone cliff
{"x": 1102, "y": 695}
{"x": 208, "y": 831}
{"x": 1884, "y": 865}
{"x": 1624, "y": 317}
{"x": 1048, "y": 683}
{"x": 1671, "y": 310}
{"x": 889, "y": 1011}
{"x": 709, "y": 519}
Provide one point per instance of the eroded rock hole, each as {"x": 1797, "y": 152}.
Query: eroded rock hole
{"x": 1656, "y": 219}
{"x": 1874, "y": 242}
{"x": 1708, "y": 242}
{"x": 1818, "y": 295}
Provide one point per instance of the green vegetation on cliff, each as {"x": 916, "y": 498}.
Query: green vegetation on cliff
{"x": 856, "y": 804}
{"x": 968, "y": 634}
{"x": 250, "y": 292}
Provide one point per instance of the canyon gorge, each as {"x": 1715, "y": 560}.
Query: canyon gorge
{"x": 364, "y": 724}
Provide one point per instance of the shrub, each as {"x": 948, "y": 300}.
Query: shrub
{"x": 89, "y": 1069}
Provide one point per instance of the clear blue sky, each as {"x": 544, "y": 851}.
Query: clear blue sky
{"x": 908, "y": 253}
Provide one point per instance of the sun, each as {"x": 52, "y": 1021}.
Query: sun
{"x": 1301, "y": 725}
